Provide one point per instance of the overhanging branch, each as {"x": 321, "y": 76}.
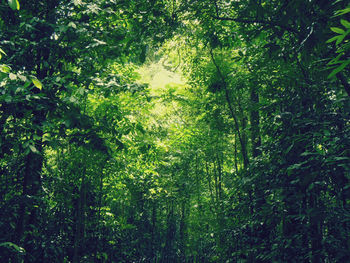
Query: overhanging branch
{"x": 258, "y": 21}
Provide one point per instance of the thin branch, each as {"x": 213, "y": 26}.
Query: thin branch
{"x": 258, "y": 21}
{"x": 307, "y": 37}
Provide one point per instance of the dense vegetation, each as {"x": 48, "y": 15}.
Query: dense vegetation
{"x": 246, "y": 159}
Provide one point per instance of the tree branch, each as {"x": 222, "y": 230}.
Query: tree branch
{"x": 258, "y": 21}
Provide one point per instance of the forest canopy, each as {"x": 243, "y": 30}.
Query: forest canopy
{"x": 175, "y": 131}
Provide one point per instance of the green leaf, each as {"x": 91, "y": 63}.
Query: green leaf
{"x": 345, "y": 23}
{"x": 36, "y": 137}
{"x": 5, "y": 68}
{"x": 13, "y": 246}
{"x": 307, "y": 153}
{"x": 27, "y": 84}
{"x": 332, "y": 39}
{"x": 289, "y": 148}
{"x": 37, "y": 83}
{"x": 340, "y": 39}
{"x": 338, "y": 69}
{"x": 337, "y": 1}
{"x": 341, "y": 158}
{"x": 72, "y": 24}
{"x": 335, "y": 60}
{"x": 337, "y": 30}
{"x": 2, "y": 52}
{"x": 8, "y": 99}
{"x": 343, "y": 11}
{"x": 295, "y": 166}
{"x": 14, "y": 4}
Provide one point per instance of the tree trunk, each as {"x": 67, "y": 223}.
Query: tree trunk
{"x": 31, "y": 187}
{"x": 254, "y": 122}
{"x": 79, "y": 226}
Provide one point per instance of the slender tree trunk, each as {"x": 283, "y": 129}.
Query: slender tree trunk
{"x": 182, "y": 231}
{"x": 232, "y": 112}
{"x": 254, "y": 122}
{"x": 168, "y": 251}
{"x": 210, "y": 187}
{"x": 219, "y": 167}
{"x": 79, "y": 226}
{"x": 31, "y": 188}
{"x": 316, "y": 234}
{"x": 155, "y": 243}
{"x": 236, "y": 160}
{"x": 219, "y": 207}
{"x": 98, "y": 230}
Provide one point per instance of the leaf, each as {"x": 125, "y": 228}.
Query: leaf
{"x": 5, "y": 68}
{"x": 8, "y": 99}
{"x": 340, "y": 39}
{"x": 32, "y": 148}
{"x": 345, "y": 23}
{"x": 105, "y": 256}
{"x": 72, "y": 24}
{"x": 37, "y": 83}
{"x": 12, "y": 76}
{"x": 14, "y": 4}
{"x": 335, "y": 60}
{"x": 23, "y": 78}
{"x": 332, "y": 39}
{"x": 36, "y": 137}
{"x": 338, "y": 159}
{"x": 77, "y": 2}
{"x": 27, "y": 84}
{"x": 295, "y": 166}
{"x": 2, "y": 52}
{"x": 342, "y": 12}
{"x": 336, "y": 2}
{"x": 341, "y": 158}
{"x": 13, "y": 246}
{"x": 337, "y": 30}
{"x": 307, "y": 153}
{"x": 338, "y": 69}
{"x": 289, "y": 148}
